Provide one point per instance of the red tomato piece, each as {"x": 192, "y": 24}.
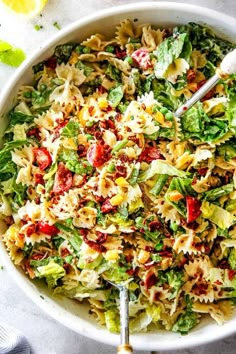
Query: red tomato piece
{"x": 47, "y": 229}
{"x": 193, "y": 208}
{"x": 149, "y": 154}
{"x": 97, "y": 154}
{"x": 142, "y": 58}
{"x": 63, "y": 179}
{"x": 42, "y": 157}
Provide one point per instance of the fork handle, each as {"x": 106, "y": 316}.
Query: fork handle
{"x": 124, "y": 349}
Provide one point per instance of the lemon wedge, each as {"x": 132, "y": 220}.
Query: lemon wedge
{"x": 25, "y": 7}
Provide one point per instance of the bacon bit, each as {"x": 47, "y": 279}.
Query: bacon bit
{"x": 120, "y": 53}
{"x": 63, "y": 179}
{"x": 98, "y": 154}
{"x": 154, "y": 225}
{"x": 9, "y": 220}
{"x": 209, "y": 94}
{"x": 182, "y": 262}
{"x": 34, "y": 132}
{"x": 51, "y": 63}
{"x": 81, "y": 150}
{"x": 132, "y": 271}
{"x": 107, "y": 207}
{"x": 118, "y": 117}
{"x": 37, "y": 256}
{"x": 101, "y": 237}
{"x": 223, "y": 264}
{"x": 120, "y": 171}
{"x": 149, "y": 248}
{"x": 65, "y": 252}
{"x": 185, "y": 108}
{"x": 67, "y": 267}
{"x": 165, "y": 254}
{"x": 150, "y": 280}
{"x": 200, "y": 289}
{"x": 149, "y": 154}
{"x": 108, "y": 108}
{"x": 124, "y": 158}
{"x": 231, "y": 274}
{"x": 91, "y": 110}
{"x": 28, "y": 269}
{"x": 31, "y": 229}
{"x": 202, "y": 171}
{"x": 101, "y": 89}
{"x": 38, "y": 179}
{"x": 217, "y": 282}
{"x": 92, "y": 244}
{"x": 191, "y": 75}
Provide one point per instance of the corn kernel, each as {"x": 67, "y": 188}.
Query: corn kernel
{"x": 116, "y": 200}
{"x": 111, "y": 255}
{"x": 143, "y": 256}
{"x": 102, "y": 102}
{"x": 159, "y": 117}
{"x": 83, "y": 113}
{"x": 121, "y": 182}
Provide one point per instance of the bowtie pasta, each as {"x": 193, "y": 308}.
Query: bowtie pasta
{"x": 100, "y": 181}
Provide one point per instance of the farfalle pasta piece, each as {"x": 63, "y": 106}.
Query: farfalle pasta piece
{"x": 85, "y": 217}
{"x": 127, "y": 29}
{"x": 188, "y": 243}
{"x": 151, "y": 38}
{"x": 220, "y": 312}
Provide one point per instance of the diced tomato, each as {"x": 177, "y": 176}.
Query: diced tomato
{"x": 42, "y": 157}
{"x": 98, "y": 154}
{"x": 193, "y": 208}
{"x": 142, "y": 58}
{"x": 149, "y": 154}
{"x": 231, "y": 274}
{"x": 47, "y": 229}
{"x": 107, "y": 207}
{"x": 63, "y": 179}
{"x": 202, "y": 171}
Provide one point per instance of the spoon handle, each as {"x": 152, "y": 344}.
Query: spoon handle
{"x": 124, "y": 316}
{"x": 124, "y": 349}
{"x": 198, "y": 95}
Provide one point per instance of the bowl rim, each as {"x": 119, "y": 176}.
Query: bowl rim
{"x": 33, "y": 293}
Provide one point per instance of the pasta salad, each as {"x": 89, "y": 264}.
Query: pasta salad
{"x": 100, "y": 181}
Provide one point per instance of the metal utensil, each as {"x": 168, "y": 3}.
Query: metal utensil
{"x": 124, "y": 347}
{"x": 227, "y": 67}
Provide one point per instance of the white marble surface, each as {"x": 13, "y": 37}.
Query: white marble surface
{"x": 44, "y": 334}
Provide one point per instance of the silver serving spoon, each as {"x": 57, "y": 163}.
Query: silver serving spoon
{"x": 227, "y": 67}
{"x": 124, "y": 347}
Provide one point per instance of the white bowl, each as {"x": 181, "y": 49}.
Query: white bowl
{"x": 68, "y": 312}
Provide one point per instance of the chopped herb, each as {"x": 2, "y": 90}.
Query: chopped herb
{"x": 56, "y": 25}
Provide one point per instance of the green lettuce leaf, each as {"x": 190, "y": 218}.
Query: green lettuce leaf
{"x": 71, "y": 130}
{"x": 185, "y": 322}
{"x": 115, "y": 95}
{"x": 216, "y": 193}
{"x": 217, "y": 215}
{"x": 52, "y": 272}
{"x": 159, "y": 167}
{"x": 174, "y": 47}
